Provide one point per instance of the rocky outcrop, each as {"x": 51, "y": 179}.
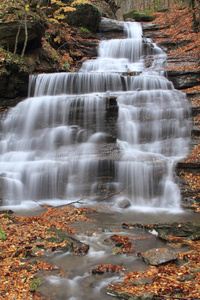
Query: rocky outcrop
{"x": 12, "y": 86}
{"x": 8, "y": 32}
{"x": 109, "y": 28}
{"x": 184, "y": 79}
{"x": 86, "y": 15}
{"x": 107, "y": 25}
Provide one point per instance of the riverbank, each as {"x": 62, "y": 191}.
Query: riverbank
{"x": 34, "y": 250}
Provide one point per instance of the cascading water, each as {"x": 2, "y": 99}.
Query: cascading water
{"x": 65, "y": 141}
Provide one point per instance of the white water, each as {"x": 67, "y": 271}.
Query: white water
{"x": 53, "y": 145}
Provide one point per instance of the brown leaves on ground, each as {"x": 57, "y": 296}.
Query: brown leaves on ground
{"x": 101, "y": 269}
{"x": 173, "y": 280}
{"x": 178, "y": 25}
{"x": 24, "y": 234}
{"x": 123, "y": 242}
{"x": 178, "y": 28}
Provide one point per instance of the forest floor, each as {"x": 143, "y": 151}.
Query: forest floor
{"x": 25, "y": 238}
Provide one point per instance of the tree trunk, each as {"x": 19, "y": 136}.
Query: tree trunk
{"x": 26, "y": 35}
{"x": 16, "y": 38}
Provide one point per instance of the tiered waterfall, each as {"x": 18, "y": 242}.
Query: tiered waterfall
{"x": 116, "y": 127}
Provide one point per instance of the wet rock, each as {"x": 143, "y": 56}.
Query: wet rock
{"x": 36, "y": 251}
{"x": 157, "y": 257}
{"x": 110, "y": 25}
{"x": 121, "y": 295}
{"x": 187, "y": 277}
{"x": 124, "y": 203}
{"x": 125, "y": 296}
{"x": 116, "y": 251}
{"x": 188, "y": 229}
{"x": 86, "y": 15}
{"x": 183, "y": 79}
{"x": 82, "y": 249}
{"x": 72, "y": 244}
{"x": 142, "y": 281}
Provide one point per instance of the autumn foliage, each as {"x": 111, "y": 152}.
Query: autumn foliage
{"x": 21, "y": 236}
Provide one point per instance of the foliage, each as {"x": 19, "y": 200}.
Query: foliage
{"x": 2, "y": 236}
{"x": 61, "y": 9}
{"x": 35, "y": 283}
{"x": 84, "y": 29}
{"x": 18, "y": 273}
{"x": 79, "y": 2}
{"x": 171, "y": 281}
{"x": 11, "y": 63}
{"x": 15, "y": 10}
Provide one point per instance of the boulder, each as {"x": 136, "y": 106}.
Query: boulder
{"x": 138, "y": 16}
{"x": 107, "y": 25}
{"x": 85, "y": 15}
{"x": 124, "y": 203}
{"x": 156, "y": 257}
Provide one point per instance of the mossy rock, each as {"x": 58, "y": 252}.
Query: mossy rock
{"x": 58, "y": 237}
{"x": 139, "y": 16}
{"x": 86, "y": 16}
{"x": 72, "y": 244}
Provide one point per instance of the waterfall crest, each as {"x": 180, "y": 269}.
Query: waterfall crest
{"x": 116, "y": 125}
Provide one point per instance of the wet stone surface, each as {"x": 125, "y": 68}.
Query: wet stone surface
{"x": 156, "y": 257}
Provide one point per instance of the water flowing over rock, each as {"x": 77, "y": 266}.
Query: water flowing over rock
{"x": 117, "y": 126}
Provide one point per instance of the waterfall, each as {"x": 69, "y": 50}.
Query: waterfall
{"x": 117, "y": 126}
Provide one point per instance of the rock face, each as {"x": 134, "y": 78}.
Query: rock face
{"x": 183, "y": 80}
{"x": 86, "y": 15}
{"x": 8, "y": 32}
{"x": 156, "y": 257}
{"x": 110, "y": 25}
{"x": 14, "y": 85}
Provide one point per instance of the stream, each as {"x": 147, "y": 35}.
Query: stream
{"x": 110, "y": 136}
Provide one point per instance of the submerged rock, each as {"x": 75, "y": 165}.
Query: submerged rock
{"x": 157, "y": 257}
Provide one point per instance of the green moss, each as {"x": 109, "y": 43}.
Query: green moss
{"x": 145, "y": 16}
{"x": 84, "y": 29}
{"x": 2, "y": 236}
